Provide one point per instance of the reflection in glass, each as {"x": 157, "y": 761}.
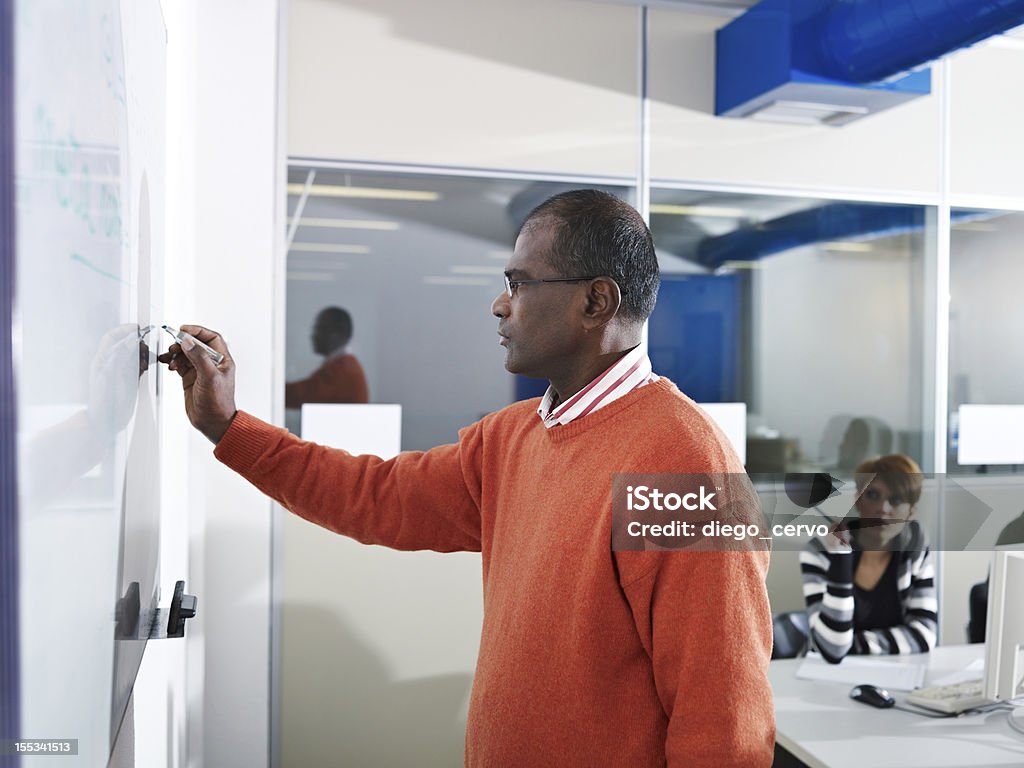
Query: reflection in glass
{"x": 416, "y": 260}
{"x": 807, "y": 310}
{"x": 340, "y": 377}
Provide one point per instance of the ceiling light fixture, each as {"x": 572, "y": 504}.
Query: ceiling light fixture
{"x": 460, "y": 269}
{"x": 328, "y": 248}
{"x": 807, "y": 112}
{"x": 448, "y": 280}
{"x": 698, "y": 210}
{"x": 848, "y": 247}
{"x": 350, "y": 224}
{"x": 366, "y": 193}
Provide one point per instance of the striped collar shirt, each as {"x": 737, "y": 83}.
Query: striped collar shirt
{"x": 630, "y": 372}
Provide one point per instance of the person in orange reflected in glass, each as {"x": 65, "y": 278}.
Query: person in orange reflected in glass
{"x": 340, "y": 379}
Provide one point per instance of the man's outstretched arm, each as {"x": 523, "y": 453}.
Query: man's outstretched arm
{"x": 415, "y": 501}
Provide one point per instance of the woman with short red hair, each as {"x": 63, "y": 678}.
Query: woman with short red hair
{"x": 870, "y": 585}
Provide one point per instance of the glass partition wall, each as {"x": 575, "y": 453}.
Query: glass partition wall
{"x": 807, "y": 310}
{"x": 986, "y": 357}
{"x": 817, "y": 314}
{"x": 416, "y": 260}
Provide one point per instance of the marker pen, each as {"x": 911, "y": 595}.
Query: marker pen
{"x": 179, "y": 335}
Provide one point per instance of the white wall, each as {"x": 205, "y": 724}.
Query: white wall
{"x": 378, "y": 651}
{"x": 224, "y": 256}
{"x": 486, "y": 84}
{"x": 987, "y": 121}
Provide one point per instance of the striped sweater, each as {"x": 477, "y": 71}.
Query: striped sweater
{"x": 829, "y": 593}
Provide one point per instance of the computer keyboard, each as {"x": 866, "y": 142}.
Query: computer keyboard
{"x": 955, "y": 698}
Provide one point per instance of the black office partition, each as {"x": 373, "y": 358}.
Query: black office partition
{"x": 10, "y": 689}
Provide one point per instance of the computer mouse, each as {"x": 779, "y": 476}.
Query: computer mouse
{"x": 873, "y": 695}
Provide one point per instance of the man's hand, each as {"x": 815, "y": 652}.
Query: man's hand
{"x": 209, "y": 388}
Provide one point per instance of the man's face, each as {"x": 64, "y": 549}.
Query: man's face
{"x": 538, "y": 325}
{"x": 325, "y": 340}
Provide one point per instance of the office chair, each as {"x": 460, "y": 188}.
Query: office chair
{"x": 865, "y": 436}
{"x": 977, "y": 611}
{"x": 789, "y": 634}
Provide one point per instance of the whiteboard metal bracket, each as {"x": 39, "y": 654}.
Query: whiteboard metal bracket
{"x": 170, "y": 622}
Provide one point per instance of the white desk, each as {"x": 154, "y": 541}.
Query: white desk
{"x": 821, "y": 725}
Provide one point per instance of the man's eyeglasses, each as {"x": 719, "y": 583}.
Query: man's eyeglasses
{"x": 512, "y": 285}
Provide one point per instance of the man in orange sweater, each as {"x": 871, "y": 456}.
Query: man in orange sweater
{"x": 588, "y": 656}
{"x": 340, "y": 379}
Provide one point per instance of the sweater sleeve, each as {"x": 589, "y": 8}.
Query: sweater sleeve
{"x": 417, "y": 500}
{"x": 704, "y": 619}
{"x": 828, "y": 592}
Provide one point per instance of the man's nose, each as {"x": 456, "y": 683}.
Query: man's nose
{"x": 500, "y": 306}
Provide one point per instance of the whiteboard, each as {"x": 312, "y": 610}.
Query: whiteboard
{"x": 89, "y": 178}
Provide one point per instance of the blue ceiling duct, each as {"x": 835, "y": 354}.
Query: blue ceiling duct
{"x": 833, "y": 61}
{"x": 825, "y": 223}
{"x": 834, "y": 221}
{"x": 864, "y": 41}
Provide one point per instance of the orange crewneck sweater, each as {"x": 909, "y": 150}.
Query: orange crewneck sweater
{"x": 588, "y": 657}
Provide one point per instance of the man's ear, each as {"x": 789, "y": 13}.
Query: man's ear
{"x": 602, "y": 302}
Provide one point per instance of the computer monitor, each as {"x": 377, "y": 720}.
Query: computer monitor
{"x": 990, "y": 434}
{"x": 1004, "y": 631}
